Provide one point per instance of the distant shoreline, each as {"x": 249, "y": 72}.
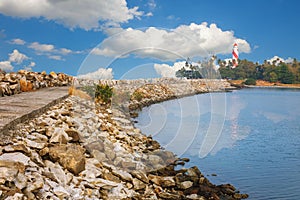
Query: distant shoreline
{"x": 263, "y": 84}
{"x": 273, "y": 86}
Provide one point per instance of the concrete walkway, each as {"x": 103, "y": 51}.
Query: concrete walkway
{"x": 20, "y": 107}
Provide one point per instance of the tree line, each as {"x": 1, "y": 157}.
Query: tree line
{"x": 273, "y": 72}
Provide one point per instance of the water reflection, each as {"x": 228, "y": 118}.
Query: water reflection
{"x": 258, "y": 149}
{"x": 195, "y": 125}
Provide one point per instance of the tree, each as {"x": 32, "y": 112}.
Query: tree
{"x": 273, "y": 77}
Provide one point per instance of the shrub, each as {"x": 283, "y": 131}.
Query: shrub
{"x": 99, "y": 91}
{"x": 250, "y": 81}
{"x": 137, "y": 96}
{"x": 104, "y": 92}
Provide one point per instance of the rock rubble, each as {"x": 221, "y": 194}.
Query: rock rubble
{"x": 80, "y": 150}
{"x": 24, "y": 81}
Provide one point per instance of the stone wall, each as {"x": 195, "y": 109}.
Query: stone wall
{"x": 24, "y": 81}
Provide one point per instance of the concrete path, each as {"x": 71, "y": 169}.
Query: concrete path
{"x": 20, "y": 107}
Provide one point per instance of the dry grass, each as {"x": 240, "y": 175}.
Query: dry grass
{"x": 75, "y": 92}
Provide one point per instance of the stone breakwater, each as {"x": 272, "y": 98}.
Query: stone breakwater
{"x": 74, "y": 151}
{"x": 78, "y": 150}
{"x": 135, "y": 94}
{"x": 24, "y": 81}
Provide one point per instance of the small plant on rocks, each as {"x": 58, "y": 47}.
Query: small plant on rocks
{"x": 99, "y": 91}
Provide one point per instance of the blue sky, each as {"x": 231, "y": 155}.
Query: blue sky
{"x": 130, "y": 37}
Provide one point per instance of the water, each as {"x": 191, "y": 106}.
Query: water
{"x": 249, "y": 138}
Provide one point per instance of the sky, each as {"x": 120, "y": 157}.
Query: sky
{"x": 125, "y": 39}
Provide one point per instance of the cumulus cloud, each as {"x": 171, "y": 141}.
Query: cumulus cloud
{"x": 83, "y": 14}
{"x": 276, "y": 60}
{"x": 41, "y": 47}
{"x": 101, "y": 73}
{"x": 30, "y": 66}
{"x": 17, "y": 57}
{"x": 165, "y": 70}
{"x": 6, "y": 66}
{"x": 289, "y": 60}
{"x": 17, "y": 41}
{"x": 55, "y": 57}
{"x": 50, "y": 50}
{"x": 182, "y": 42}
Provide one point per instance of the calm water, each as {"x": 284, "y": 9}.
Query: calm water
{"x": 249, "y": 138}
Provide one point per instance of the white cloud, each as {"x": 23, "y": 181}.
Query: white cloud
{"x": 101, "y": 73}
{"x": 65, "y": 51}
{"x": 182, "y": 42}
{"x": 6, "y": 66}
{"x": 152, "y": 5}
{"x": 51, "y": 51}
{"x": 276, "y": 60}
{"x": 289, "y": 60}
{"x": 17, "y": 41}
{"x": 17, "y": 57}
{"x": 169, "y": 71}
{"x": 55, "y": 57}
{"x": 83, "y": 14}
{"x": 41, "y": 47}
{"x": 149, "y": 14}
{"x": 30, "y": 66}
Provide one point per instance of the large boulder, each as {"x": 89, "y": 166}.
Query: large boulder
{"x": 70, "y": 156}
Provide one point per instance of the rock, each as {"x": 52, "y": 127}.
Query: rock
{"x": 23, "y": 84}
{"x": 59, "y": 136}
{"x": 96, "y": 145}
{"x": 35, "y": 157}
{"x": 185, "y": 185}
{"x": 122, "y": 174}
{"x": 137, "y": 184}
{"x": 15, "y": 157}
{"x": 44, "y": 151}
{"x": 140, "y": 175}
{"x": 194, "y": 197}
{"x": 17, "y": 147}
{"x": 109, "y": 176}
{"x": 162, "y": 181}
{"x": 34, "y": 144}
{"x": 167, "y": 195}
{"x": 155, "y": 160}
{"x": 61, "y": 192}
{"x": 73, "y": 134}
{"x": 55, "y": 172}
{"x": 110, "y": 154}
{"x": 36, "y": 184}
{"x": 21, "y": 181}
{"x": 53, "y": 75}
{"x": 105, "y": 184}
{"x": 100, "y": 156}
{"x": 128, "y": 165}
{"x": 70, "y": 156}
{"x": 10, "y": 169}
{"x": 16, "y": 196}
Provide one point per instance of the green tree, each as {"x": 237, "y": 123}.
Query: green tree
{"x": 273, "y": 77}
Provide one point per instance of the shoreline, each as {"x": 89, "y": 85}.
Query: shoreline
{"x": 78, "y": 150}
{"x": 263, "y": 84}
{"x": 274, "y": 86}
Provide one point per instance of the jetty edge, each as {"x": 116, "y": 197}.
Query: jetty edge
{"x": 80, "y": 150}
